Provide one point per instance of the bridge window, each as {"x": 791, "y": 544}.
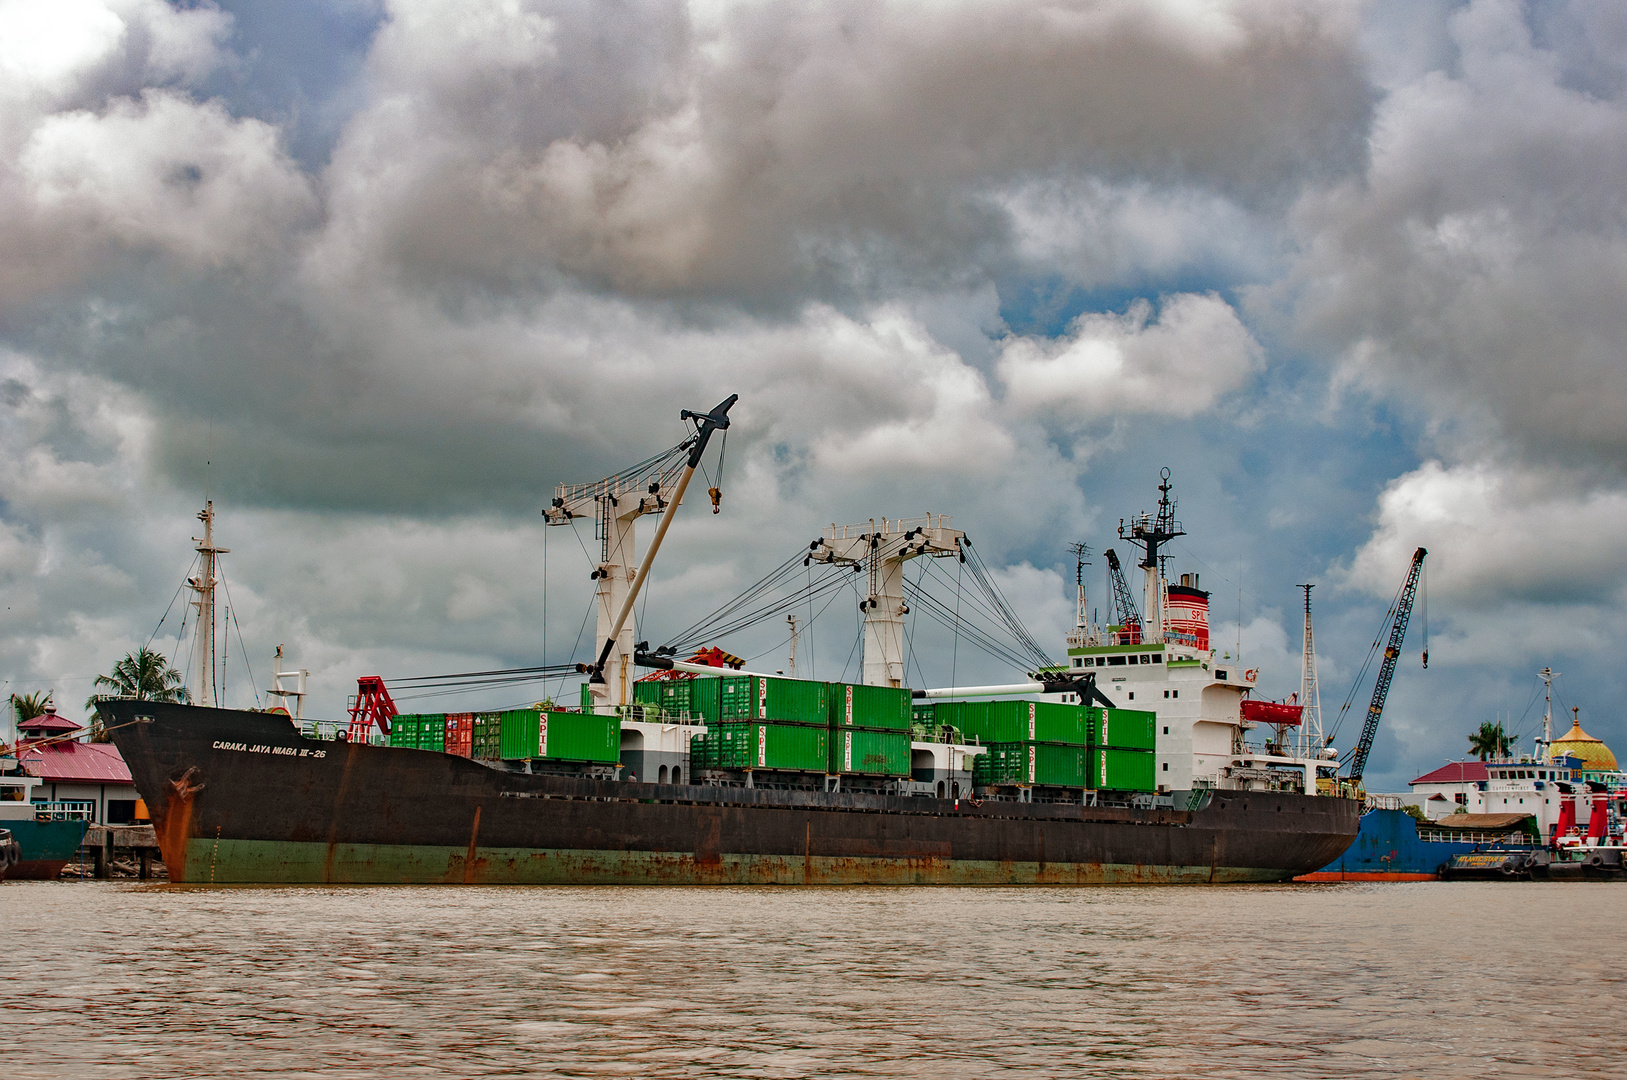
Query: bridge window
{"x": 677, "y": 774}
{"x": 1156, "y": 659}
{"x": 1116, "y": 661}
{"x": 663, "y": 775}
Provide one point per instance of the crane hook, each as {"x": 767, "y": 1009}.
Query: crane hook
{"x": 717, "y": 499}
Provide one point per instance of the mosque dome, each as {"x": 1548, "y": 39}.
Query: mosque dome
{"x": 1576, "y": 743}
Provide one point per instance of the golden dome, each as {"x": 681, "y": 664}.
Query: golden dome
{"x": 1577, "y": 743}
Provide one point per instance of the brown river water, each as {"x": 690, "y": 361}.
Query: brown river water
{"x": 107, "y": 979}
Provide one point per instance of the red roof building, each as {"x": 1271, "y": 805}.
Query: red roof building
{"x": 1456, "y": 772}
{"x": 85, "y": 775}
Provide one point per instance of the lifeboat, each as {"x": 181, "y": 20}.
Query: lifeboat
{"x": 1274, "y": 713}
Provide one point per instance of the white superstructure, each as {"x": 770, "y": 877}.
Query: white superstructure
{"x": 1165, "y": 665}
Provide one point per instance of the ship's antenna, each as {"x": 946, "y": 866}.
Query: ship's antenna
{"x": 1081, "y": 619}
{"x": 791, "y": 667}
{"x": 1310, "y": 694}
{"x": 1152, "y": 531}
{"x": 1547, "y": 677}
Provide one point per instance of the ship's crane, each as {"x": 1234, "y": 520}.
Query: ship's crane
{"x": 1400, "y": 612}
{"x": 1128, "y": 616}
{"x": 654, "y": 486}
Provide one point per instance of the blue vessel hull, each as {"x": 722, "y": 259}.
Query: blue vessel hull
{"x": 1388, "y": 848}
{"x": 47, "y": 846}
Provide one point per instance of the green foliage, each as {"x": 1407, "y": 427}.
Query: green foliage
{"x": 1416, "y": 813}
{"x": 144, "y": 675}
{"x": 28, "y": 706}
{"x": 1491, "y": 741}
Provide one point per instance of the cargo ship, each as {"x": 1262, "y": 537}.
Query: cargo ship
{"x": 1128, "y": 764}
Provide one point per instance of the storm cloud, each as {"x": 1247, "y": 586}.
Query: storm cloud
{"x": 1354, "y": 271}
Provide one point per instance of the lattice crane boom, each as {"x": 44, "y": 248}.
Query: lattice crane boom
{"x": 1129, "y": 617}
{"x": 1400, "y": 613}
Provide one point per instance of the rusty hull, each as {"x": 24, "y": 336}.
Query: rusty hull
{"x": 242, "y": 797}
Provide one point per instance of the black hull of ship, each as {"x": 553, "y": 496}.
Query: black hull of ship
{"x": 241, "y": 797}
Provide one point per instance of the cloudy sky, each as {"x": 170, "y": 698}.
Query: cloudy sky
{"x": 374, "y": 276}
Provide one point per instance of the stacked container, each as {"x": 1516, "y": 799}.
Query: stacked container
{"x": 1034, "y": 763}
{"x": 787, "y": 747}
{"x": 870, "y": 730}
{"x": 759, "y": 722}
{"x": 1122, "y": 745}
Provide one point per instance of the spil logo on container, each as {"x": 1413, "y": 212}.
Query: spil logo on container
{"x": 762, "y": 746}
{"x": 762, "y": 699}
{"x": 542, "y": 734}
{"x": 1030, "y": 746}
{"x": 1030, "y": 735}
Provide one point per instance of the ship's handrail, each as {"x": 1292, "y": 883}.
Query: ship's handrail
{"x": 894, "y": 525}
{"x": 1383, "y": 802}
{"x": 1455, "y": 836}
{"x": 75, "y": 810}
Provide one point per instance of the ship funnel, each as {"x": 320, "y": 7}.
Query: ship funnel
{"x": 1598, "y": 822}
{"x": 1567, "y": 816}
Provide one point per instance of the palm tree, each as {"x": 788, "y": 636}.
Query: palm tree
{"x": 1491, "y": 741}
{"x": 144, "y": 675}
{"x": 28, "y": 706}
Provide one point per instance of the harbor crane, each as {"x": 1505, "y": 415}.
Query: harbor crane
{"x": 1400, "y": 612}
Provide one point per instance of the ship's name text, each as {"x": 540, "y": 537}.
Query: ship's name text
{"x": 280, "y": 751}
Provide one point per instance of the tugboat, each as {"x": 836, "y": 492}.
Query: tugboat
{"x": 808, "y": 793}
{"x": 45, "y": 837}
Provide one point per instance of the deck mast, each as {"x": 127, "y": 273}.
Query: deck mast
{"x": 203, "y": 585}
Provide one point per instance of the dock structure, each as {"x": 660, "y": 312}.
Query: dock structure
{"x": 106, "y": 843}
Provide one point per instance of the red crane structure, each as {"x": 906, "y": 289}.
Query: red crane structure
{"x": 372, "y": 707}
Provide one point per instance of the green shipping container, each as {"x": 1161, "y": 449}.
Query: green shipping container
{"x": 559, "y": 736}
{"x": 404, "y": 731}
{"x": 487, "y": 740}
{"x": 432, "y": 733}
{"x": 1043, "y": 764}
{"x": 870, "y": 753}
{"x": 759, "y": 697}
{"x": 1122, "y": 770}
{"x": 1125, "y": 729}
{"x": 517, "y": 734}
{"x": 696, "y": 697}
{"x": 1020, "y": 721}
{"x": 579, "y": 737}
{"x": 790, "y": 747}
{"x": 857, "y": 705}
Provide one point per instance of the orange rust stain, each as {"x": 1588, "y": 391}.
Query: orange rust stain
{"x": 338, "y": 803}
{"x": 470, "y": 866}
{"x": 173, "y": 822}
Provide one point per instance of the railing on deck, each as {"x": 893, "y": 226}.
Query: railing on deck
{"x": 1382, "y": 802}
{"x": 1456, "y": 836}
{"x": 64, "y": 811}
